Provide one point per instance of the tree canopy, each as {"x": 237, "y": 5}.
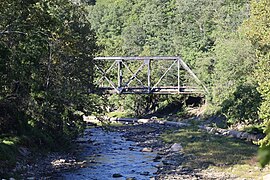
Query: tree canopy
{"x": 258, "y": 32}
{"x": 46, "y": 51}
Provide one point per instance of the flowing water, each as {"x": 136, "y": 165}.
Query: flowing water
{"x": 109, "y": 154}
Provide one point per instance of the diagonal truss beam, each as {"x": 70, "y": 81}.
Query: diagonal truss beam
{"x": 107, "y": 79}
{"x": 164, "y": 74}
{"x": 134, "y": 75}
{"x": 106, "y": 72}
{"x": 185, "y": 66}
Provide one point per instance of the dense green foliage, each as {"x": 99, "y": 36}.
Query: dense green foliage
{"x": 257, "y": 30}
{"x": 225, "y": 42}
{"x": 46, "y": 51}
{"x": 206, "y": 35}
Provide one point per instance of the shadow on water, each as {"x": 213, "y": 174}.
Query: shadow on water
{"x": 110, "y": 154}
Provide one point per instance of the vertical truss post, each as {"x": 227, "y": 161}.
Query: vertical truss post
{"x": 147, "y": 62}
{"x": 178, "y": 74}
{"x": 120, "y": 75}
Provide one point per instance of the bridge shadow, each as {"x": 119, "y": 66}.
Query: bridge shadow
{"x": 177, "y": 107}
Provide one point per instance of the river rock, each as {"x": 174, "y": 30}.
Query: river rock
{"x": 147, "y": 149}
{"x": 117, "y": 175}
{"x": 143, "y": 121}
{"x": 176, "y": 147}
{"x": 167, "y": 162}
{"x": 238, "y": 135}
{"x": 244, "y": 135}
{"x": 233, "y": 133}
{"x": 30, "y": 178}
{"x": 24, "y": 151}
{"x": 252, "y": 137}
{"x": 266, "y": 177}
{"x": 131, "y": 178}
{"x": 146, "y": 173}
{"x": 157, "y": 158}
{"x": 131, "y": 148}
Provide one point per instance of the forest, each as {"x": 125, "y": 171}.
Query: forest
{"x": 47, "y": 50}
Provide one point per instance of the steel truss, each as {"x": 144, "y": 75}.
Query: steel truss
{"x": 122, "y": 87}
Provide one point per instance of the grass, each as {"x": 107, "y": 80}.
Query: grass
{"x": 119, "y": 114}
{"x": 218, "y": 154}
{"x": 8, "y": 153}
{"x": 108, "y": 124}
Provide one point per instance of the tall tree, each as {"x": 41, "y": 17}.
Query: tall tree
{"x": 46, "y": 51}
{"x": 257, "y": 30}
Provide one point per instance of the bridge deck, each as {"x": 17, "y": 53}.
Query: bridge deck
{"x": 157, "y": 90}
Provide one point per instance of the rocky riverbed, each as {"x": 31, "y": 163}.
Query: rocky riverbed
{"x": 170, "y": 156}
{"x": 134, "y": 151}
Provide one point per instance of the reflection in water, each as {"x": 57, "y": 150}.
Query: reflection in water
{"x": 111, "y": 154}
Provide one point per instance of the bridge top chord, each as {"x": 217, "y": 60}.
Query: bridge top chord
{"x": 138, "y": 58}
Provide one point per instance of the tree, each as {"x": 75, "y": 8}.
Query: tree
{"x": 257, "y": 30}
{"x": 203, "y": 33}
{"x": 46, "y": 51}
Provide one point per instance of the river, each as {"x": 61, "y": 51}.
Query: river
{"x": 108, "y": 155}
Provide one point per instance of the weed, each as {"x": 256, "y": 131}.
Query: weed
{"x": 215, "y": 152}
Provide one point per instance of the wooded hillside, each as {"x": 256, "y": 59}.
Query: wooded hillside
{"x": 225, "y": 42}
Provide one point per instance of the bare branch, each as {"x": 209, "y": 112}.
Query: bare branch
{"x": 13, "y": 32}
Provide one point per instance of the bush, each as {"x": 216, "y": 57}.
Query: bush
{"x": 242, "y": 105}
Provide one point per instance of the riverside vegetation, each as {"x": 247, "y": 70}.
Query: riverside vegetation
{"x": 46, "y": 63}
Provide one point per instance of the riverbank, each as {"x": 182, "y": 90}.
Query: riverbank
{"x": 191, "y": 153}
{"x": 179, "y": 153}
{"x": 171, "y": 155}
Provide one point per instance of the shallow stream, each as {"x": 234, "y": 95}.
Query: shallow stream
{"x": 109, "y": 155}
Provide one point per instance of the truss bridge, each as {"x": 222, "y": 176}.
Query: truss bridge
{"x": 146, "y": 75}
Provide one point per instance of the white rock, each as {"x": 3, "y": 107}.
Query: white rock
{"x": 266, "y": 177}
{"x": 143, "y": 120}
{"x": 147, "y": 150}
{"x": 176, "y": 147}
